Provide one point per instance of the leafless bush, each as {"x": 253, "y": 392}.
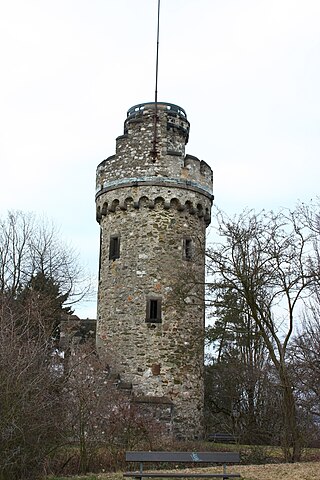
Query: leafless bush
{"x": 103, "y": 422}
{"x": 30, "y": 404}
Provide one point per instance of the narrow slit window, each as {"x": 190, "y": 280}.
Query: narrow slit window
{"x": 114, "y": 247}
{"x": 153, "y": 310}
{"x": 187, "y": 248}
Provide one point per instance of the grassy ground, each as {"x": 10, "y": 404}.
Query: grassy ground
{"x": 258, "y": 463}
{"x": 283, "y": 471}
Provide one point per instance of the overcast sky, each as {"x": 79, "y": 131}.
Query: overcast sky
{"x": 247, "y": 72}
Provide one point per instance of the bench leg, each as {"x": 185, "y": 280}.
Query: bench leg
{"x": 225, "y": 472}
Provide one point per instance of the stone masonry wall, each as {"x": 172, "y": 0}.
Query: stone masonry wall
{"x": 153, "y": 204}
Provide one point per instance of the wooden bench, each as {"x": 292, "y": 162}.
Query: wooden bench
{"x": 222, "y": 438}
{"x": 197, "y": 458}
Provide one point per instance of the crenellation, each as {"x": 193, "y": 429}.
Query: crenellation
{"x": 192, "y": 163}
{"x": 180, "y": 204}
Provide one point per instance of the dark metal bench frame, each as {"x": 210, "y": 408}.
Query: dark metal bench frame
{"x": 222, "y": 458}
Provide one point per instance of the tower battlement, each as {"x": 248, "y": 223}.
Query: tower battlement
{"x": 135, "y": 163}
{"x": 153, "y": 204}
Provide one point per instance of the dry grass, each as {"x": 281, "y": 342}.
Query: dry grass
{"x": 292, "y": 471}
{"x": 283, "y": 471}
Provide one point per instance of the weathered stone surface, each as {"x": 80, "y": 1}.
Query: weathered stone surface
{"x": 154, "y": 201}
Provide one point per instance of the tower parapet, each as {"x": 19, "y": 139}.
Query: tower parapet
{"x": 134, "y": 163}
{"x": 153, "y": 205}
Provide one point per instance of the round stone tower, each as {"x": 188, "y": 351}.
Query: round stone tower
{"x": 153, "y": 206}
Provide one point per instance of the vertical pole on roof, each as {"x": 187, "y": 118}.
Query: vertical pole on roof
{"x": 154, "y": 147}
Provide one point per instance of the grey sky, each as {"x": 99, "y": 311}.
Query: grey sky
{"x": 247, "y": 72}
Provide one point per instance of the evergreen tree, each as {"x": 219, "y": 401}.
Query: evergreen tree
{"x": 238, "y": 375}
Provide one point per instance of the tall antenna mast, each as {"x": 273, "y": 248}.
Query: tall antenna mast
{"x": 154, "y": 149}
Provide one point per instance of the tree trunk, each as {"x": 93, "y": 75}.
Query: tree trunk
{"x": 252, "y": 424}
{"x": 291, "y": 435}
{"x": 82, "y": 444}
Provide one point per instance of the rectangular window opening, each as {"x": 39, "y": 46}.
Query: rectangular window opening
{"x": 114, "y": 247}
{"x": 153, "y": 310}
{"x": 187, "y": 248}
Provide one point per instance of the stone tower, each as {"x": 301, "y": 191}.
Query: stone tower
{"x": 153, "y": 206}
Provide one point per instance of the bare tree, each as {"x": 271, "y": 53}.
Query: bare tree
{"x": 99, "y": 413}
{"x": 265, "y": 258}
{"x": 39, "y": 275}
{"x": 305, "y": 360}
{"x": 29, "y": 246}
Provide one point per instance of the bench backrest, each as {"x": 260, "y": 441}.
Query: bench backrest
{"x": 186, "y": 457}
{"x": 223, "y": 437}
